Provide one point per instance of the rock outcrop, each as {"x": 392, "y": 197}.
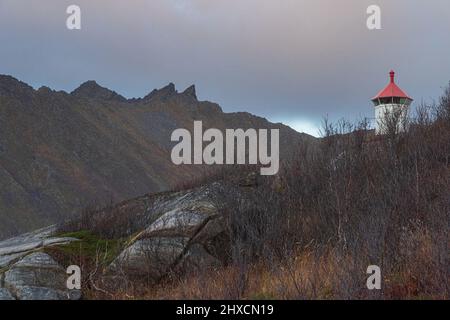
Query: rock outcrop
{"x": 181, "y": 233}
{"x": 26, "y": 273}
{"x": 179, "y": 238}
{"x": 36, "y": 277}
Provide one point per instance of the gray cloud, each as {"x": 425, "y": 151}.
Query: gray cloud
{"x": 292, "y": 60}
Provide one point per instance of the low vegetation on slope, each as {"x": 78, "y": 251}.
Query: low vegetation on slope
{"x": 353, "y": 200}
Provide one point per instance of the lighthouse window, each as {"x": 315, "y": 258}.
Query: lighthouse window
{"x": 391, "y": 100}
{"x": 386, "y": 100}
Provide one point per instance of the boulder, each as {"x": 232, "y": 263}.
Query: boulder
{"x": 5, "y": 294}
{"x": 180, "y": 239}
{"x": 181, "y": 221}
{"x": 36, "y": 277}
{"x": 6, "y": 260}
{"x": 212, "y": 228}
{"x": 15, "y": 248}
{"x": 25, "y": 247}
{"x": 197, "y": 260}
{"x": 152, "y": 257}
{"x": 40, "y": 293}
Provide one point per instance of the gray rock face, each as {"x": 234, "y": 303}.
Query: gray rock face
{"x": 211, "y": 229}
{"x": 153, "y": 257}
{"x": 39, "y": 293}
{"x": 36, "y": 277}
{"x": 32, "y": 240}
{"x": 26, "y": 274}
{"x": 37, "y": 269}
{"x": 198, "y": 259}
{"x": 183, "y": 226}
{"x": 37, "y": 259}
{"x": 181, "y": 221}
{"x": 25, "y": 247}
{"x": 5, "y": 294}
{"x": 6, "y": 260}
{"x": 13, "y": 249}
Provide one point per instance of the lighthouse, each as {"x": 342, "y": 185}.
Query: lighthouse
{"x": 391, "y": 108}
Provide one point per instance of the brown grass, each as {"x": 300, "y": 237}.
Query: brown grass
{"x": 351, "y": 201}
{"x": 315, "y": 273}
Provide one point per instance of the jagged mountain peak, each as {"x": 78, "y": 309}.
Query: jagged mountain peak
{"x": 163, "y": 93}
{"x": 11, "y": 86}
{"x": 91, "y": 89}
{"x": 94, "y": 153}
{"x": 190, "y": 92}
{"x": 45, "y": 89}
{"x": 169, "y": 88}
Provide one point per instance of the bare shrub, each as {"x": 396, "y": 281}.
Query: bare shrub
{"x": 350, "y": 200}
{"x": 381, "y": 200}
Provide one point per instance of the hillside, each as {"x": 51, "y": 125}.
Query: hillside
{"x": 61, "y": 152}
{"x": 351, "y": 201}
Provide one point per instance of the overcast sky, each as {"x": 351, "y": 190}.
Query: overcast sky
{"x": 292, "y": 61}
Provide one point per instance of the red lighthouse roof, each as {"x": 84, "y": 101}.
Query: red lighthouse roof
{"x": 392, "y": 90}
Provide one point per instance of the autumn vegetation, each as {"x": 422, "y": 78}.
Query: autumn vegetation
{"x": 349, "y": 201}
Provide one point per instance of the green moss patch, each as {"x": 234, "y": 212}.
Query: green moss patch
{"x": 89, "y": 250}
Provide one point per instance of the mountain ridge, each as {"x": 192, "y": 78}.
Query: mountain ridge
{"x": 61, "y": 152}
{"x": 92, "y": 89}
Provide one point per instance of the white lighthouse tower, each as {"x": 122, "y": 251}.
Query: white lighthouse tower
{"x": 391, "y": 108}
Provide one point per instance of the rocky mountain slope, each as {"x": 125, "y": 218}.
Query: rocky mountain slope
{"x": 61, "y": 152}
